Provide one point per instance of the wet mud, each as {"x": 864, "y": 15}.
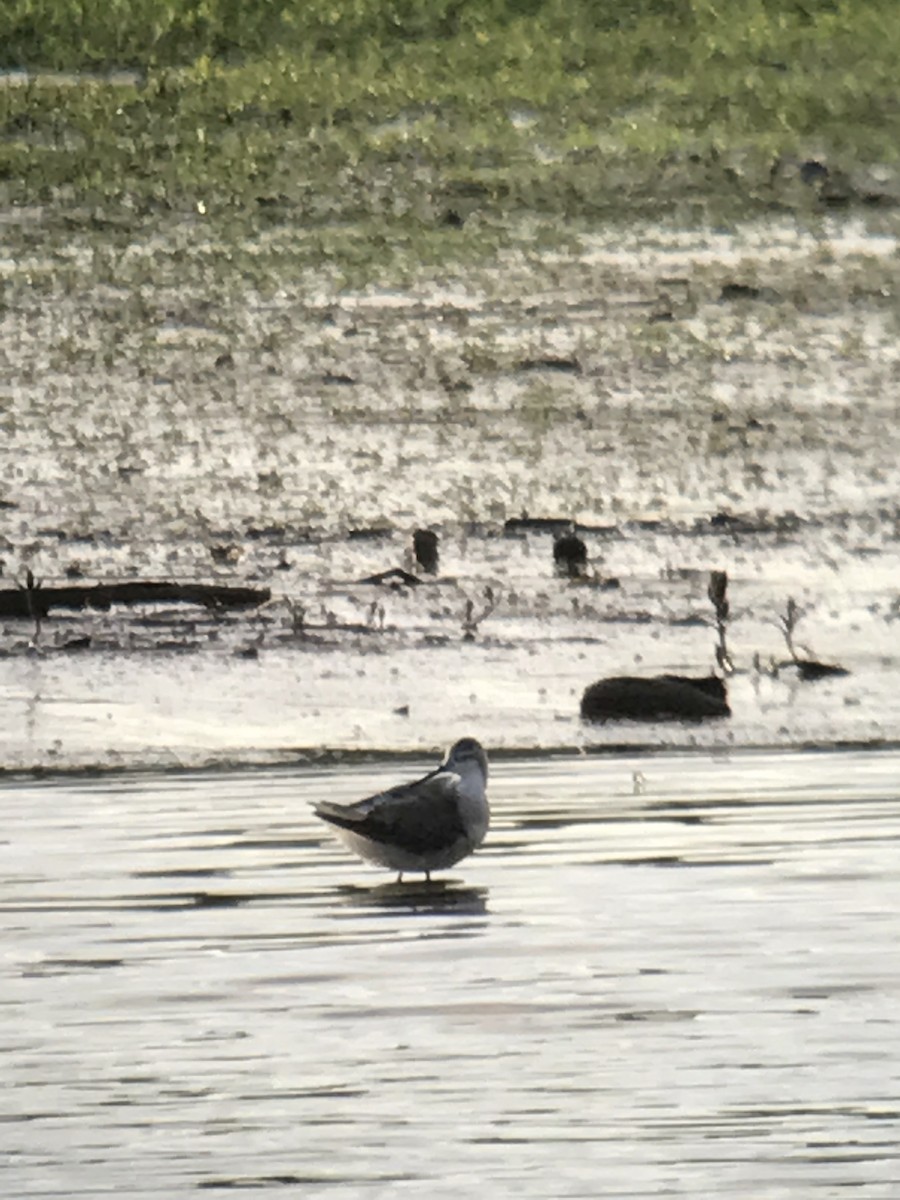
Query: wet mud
{"x": 681, "y": 401}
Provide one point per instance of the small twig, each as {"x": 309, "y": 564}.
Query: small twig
{"x": 770, "y": 669}
{"x": 788, "y": 622}
{"x": 717, "y": 592}
{"x": 471, "y": 621}
{"x": 31, "y": 589}
{"x": 376, "y": 615}
{"x": 297, "y": 613}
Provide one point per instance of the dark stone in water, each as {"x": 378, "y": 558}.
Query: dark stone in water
{"x": 570, "y": 555}
{"x": 659, "y": 698}
{"x": 425, "y": 548}
{"x": 810, "y": 670}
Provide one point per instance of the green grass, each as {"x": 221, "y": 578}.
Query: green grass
{"x": 366, "y": 122}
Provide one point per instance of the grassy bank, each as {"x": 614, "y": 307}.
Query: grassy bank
{"x": 417, "y": 116}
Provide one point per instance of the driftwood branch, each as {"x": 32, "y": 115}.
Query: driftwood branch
{"x": 37, "y": 602}
{"x": 394, "y": 576}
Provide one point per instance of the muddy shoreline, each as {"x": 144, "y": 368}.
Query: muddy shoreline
{"x": 692, "y": 400}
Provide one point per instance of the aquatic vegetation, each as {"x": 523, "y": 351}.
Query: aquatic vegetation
{"x": 788, "y": 623}
{"x": 717, "y": 592}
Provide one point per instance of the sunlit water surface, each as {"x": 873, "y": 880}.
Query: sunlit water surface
{"x": 664, "y": 976}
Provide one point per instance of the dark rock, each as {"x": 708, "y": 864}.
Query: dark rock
{"x": 659, "y": 698}
{"x": 570, "y": 555}
{"x": 425, "y": 548}
{"x": 810, "y": 670}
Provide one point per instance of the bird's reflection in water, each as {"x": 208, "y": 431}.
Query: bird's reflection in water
{"x": 437, "y": 897}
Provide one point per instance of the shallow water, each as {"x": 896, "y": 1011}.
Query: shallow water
{"x": 661, "y": 976}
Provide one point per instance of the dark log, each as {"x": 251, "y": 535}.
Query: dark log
{"x": 659, "y": 698}
{"x": 18, "y": 602}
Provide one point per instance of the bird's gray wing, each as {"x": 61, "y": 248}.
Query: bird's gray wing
{"x": 418, "y": 817}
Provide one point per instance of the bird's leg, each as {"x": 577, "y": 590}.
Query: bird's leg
{"x": 399, "y": 876}
{"x": 428, "y": 877}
